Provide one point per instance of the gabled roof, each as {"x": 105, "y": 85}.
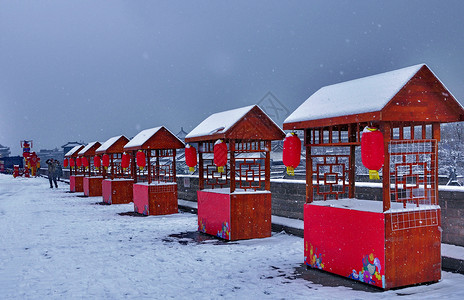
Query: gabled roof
{"x": 89, "y": 149}
{"x": 74, "y": 151}
{"x": 412, "y": 94}
{"x": 154, "y": 138}
{"x": 248, "y": 123}
{"x": 113, "y": 145}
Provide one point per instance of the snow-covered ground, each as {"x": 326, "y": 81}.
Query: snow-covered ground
{"x": 56, "y": 245}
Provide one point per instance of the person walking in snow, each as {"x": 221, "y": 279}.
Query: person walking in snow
{"x": 52, "y": 172}
{"x": 59, "y": 170}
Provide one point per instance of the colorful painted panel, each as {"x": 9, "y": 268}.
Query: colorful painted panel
{"x": 214, "y": 214}
{"x": 106, "y": 190}
{"x": 140, "y": 198}
{"x": 92, "y": 186}
{"x": 345, "y": 242}
{"x": 76, "y": 183}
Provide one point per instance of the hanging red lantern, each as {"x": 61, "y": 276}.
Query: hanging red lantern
{"x": 220, "y": 155}
{"x": 72, "y": 163}
{"x": 190, "y": 157}
{"x": 78, "y": 162}
{"x": 125, "y": 161}
{"x": 291, "y": 152}
{"x": 65, "y": 163}
{"x": 372, "y": 151}
{"x": 97, "y": 162}
{"x": 106, "y": 161}
{"x": 141, "y": 159}
{"x": 85, "y": 162}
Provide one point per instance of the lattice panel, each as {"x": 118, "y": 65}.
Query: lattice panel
{"x": 251, "y": 173}
{"x": 163, "y": 173}
{"x": 164, "y": 188}
{"x": 331, "y": 176}
{"x": 413, "y": 171}
{"x": 414, "y": 219}
{"x": 212, "y": 176}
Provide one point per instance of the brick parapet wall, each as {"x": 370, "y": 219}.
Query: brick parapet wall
{"x": 288, "y": 199}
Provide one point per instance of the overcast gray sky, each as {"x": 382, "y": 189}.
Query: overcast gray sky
{"x": 90, "y": 70}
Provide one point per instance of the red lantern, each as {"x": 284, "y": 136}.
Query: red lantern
{"x": 220, "y": 155}
{"x": 85, "y": 162}
{"x": 141, "y": 159}
{"x": 372, "y": 151}
{"x": 65, "y": 163}
{"x": 291, "y": 153}
{"x": 106, "y": 161}
{"x": 97, "y": 162}
{"x": 78, "y": 162}
{"x": 190, "y": 157}
{"x": 71, "y": 162}
{"x": 125, "y": 161}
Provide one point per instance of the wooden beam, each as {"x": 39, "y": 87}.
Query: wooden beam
{"x": 386, "y": 166}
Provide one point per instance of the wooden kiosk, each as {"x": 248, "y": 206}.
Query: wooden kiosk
{"x": 75, "y": 172}
{"x": 92, "y": 181}
{"x": 154, "y": 169}
{"x": 117, "y": 181}
{"x": 235, "y": 204}
{"x": 390, "y": 243}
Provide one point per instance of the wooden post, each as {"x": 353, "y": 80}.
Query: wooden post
{"x": 386, "y": 165}
{"x": 436, "y": 135}
{"x": 267, "y": 167}
{"x": 352, "y": 132}
{"x": 133, "y": 166}
{"x": 112, "y": 165}
{"x": 156, "y": 173}
{"x": 148, "y": 162}
{"x": 174, "y": 165}
{"x": 232, "y": 165}
{"x": 201, "y": 183}
{"x": 309, "y": 168}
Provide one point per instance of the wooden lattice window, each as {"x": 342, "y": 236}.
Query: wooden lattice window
{"x": 331, "y": 178}
{"x": 413, "y": 171}
{"x": 159, "y": 167}
{"x": 211, "y": 176}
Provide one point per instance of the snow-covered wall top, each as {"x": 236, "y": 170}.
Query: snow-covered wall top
{"x": 73, "y": 150}
{"x": 108, "y": 143}
{"x": 219, "y": 122}
{"x": 86, "y": 148}
{"x": 142, "y": 137}
{"x": 368, "y": 94}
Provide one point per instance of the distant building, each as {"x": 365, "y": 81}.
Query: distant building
{"x": 10, "y": 161}
{"x": 68, "y": 146}
{"x": 45, "y": 154}
{"x": 181, "y": 134}
{"x": 4, "y": 151}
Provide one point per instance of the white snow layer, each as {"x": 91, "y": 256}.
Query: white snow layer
{"x": 219, "y": 122}
{"x": 142, "y": 137}
{"x": 368, "y": 94}
{"x": 86, "y": 148}
{"x": 108, "y": 143}
{"x": 56, "y": 245}
{"x": 72, "y": 151}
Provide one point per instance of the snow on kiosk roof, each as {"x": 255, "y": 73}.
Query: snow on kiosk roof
{"x": 412, "y": 94}
{"x": 89, "y": 149}
{"x": 154, "y": 138}
{"x": 74, "y": 151}
{"x": 113, "y": 145}
{"x": 245, "y": 123}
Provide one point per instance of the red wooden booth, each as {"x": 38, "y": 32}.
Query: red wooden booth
{"x": 154, "y": 169}
{"x": 117, "y": 172}
{"x": 236, "y": 203}
{"x": 75, "y": 172}
{"x": 92, "y": 181}
{"x": 396, "y": 241}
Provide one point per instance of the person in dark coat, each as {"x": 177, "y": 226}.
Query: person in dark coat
{"x": 59, "y": 170}
{"x": 52, "y": 172}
